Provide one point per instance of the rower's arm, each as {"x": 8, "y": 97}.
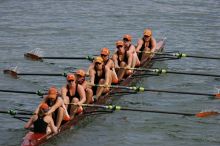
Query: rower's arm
{"x": 30, "y": 122}
{"x": 154, "y": 44}
{"x": 90, "y": 67}
{"x": 107, "y": 76}
{"x": 139, "y": 45}
{"x": 82, "y": 94}
{"x": 63, "y": 92}
{"x": 38, "y": 108}
{"x": 55, "y": 106}
{"x": 110, "y": 64}
{"x": 115, "y": 60}
{"x": 92, "y": 76}
{"x": 130, "y": 57}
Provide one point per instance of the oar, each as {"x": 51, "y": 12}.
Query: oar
{"x": 181, "y": 55}
{"x": 164, "y": 71}
{"x": 13, "y": 112}
{"x": 14, "y": 74}
{"x": 142, "y": 89}
{"x": 39, "y": 92}
{"x": 116, "y": 107}
{"x": 35, "y": 57}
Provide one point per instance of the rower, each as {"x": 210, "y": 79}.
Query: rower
{"x": 146, "y": 44}
{"x": 73, "y": 95}
{"x": 122, "y": 59}
{"x": 42, "y": 123}
{"x": 109, "y": 64}
{"x": 99, "y": 75}
{"x": 80, "y": 79}
{"x": 131, "y": 51}
{"x": 57, "y": 109}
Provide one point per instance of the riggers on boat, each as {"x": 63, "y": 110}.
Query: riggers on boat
{"x": 35, "y": 139}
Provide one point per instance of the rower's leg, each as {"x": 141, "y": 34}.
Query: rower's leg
{"x": 121, "y": 71}
{"x": 114, "y": 76}
{"x": 89, "y": 94}
{"x": 135, "y": 60}
{"x": 138, "y": 63}
{"x": 59, "y": 116}
{"x": 100, "y": 89}
{"x": 75, "y": 109}
{"x": 66, "y": 101}
{"x": 145, "y": 56}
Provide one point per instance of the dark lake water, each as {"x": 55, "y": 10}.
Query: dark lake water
{"x": 81, "y": 28}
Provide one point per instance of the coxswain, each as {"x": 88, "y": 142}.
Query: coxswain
{"x": 99, "y": 75}
{"x": 42, "y": 123}
{"x": 146, "y": 45}
{"x": 122, "y": 59}
{"x": 130, "y": 48}
{"x": 80, "y": 79}
{"x": 57, "y": 109}
{"x": 73, "y": 94}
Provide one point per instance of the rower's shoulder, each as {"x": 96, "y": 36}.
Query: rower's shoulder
{"x": 153, "y": 39}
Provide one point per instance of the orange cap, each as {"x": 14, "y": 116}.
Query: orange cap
{"x": 44, "y": 106}
{"x": 99, "y": 59}
{"x": 128, "y": 37}
{"x": 148, "y": 32}
{"x": 119, "y": 43}
{"x": 70, "y": 77}
{"x": 52, "y": 92}
{"x": 105, "y": 51}
{"x": 81, "y": 72}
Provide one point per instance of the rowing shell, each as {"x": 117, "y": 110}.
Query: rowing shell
{"x": 35, "y": 139}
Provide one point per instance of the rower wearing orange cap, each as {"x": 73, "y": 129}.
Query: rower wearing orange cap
{"x": 99, "y": 75}
{"x": 80, "y": 75}
{"x": 108, "y": 63}
{"x": 127, "y": 38}
{"x": 57, "y": 109}
{"x": 42, "y": 123}
{"x": 121, "y": 59}
{"x": 73, "y": 93}
{"x": 146, "y": 44}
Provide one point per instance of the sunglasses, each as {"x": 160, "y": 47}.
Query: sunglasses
{"x": 119, "y": 46}
{"x": 103, "y": 55}
{"x": 125, "y": 40}
{"x": 71, "y": 81}
{"x": 97, "y": 63}
{"x": 146, "y": 36}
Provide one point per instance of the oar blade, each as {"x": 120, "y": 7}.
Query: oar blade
{"x": 12, "y": 73}
{"x": 204, "y": 114}
{"x": 33, "y": 57}
{"x": 217, "y": 96}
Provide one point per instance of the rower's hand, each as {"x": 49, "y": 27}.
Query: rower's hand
{"x": 117, "y": 66}
{"x": 89, "y": 85}
{"x": 105, "y": 85}
{"x": 46, "y": 114}
{"x": 127, "y": 67}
